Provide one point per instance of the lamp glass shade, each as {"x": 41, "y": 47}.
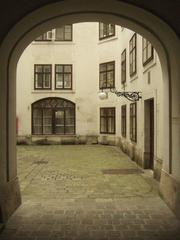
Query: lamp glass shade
{"x": 103, "y": 95}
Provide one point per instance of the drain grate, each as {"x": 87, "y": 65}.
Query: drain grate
{"x": 40, "y": 162}
{"x": 122, "y": 171}
{"x": 59, "y": 176}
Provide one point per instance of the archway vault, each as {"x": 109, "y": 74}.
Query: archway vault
{"x": 50, "y": 16}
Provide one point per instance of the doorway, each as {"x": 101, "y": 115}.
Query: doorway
{"x": 149, "y": 134}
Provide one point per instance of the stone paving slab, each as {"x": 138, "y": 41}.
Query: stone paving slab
{"x": 66, "y": 196}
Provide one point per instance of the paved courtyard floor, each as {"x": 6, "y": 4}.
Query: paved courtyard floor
{"x": 87, "y": 192}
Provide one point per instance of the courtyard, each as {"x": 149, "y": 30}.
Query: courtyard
{"x": 87, "y": 192}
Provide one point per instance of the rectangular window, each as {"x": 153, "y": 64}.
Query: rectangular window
{"x": 147, "y": 51}
{"x": 106, "y": 30}
{"x": 63, "y": 76}
{"x": 42, "y": 76}
{"x": 133, "y": 122}
{"x": 107, "y": 120}
{"x": 63, "y": 33}
{"x": 132, "y": 55}
{"x": 107, "y": 75}
{"x": 123, "y": 120}
{"x": 123, "y": 67}
{"x": 47, "y": 36}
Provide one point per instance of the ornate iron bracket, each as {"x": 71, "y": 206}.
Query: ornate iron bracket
{"x": 131, "y": 96}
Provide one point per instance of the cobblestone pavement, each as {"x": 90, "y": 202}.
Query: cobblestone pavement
{"x": 67, "y": 196}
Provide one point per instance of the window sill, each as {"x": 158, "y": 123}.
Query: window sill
{"x": 53, "y": 135}
{"x": 150, "y": 64}
{"x": 53, "y": 43}
{"x": 107, "y": 134}
{"x": 123, "y": 85}
{"x": 107, "y": 39}
{"x": 133, "y": 78}
{"x": 52, "y": 91}
{"x": 134, "y": 142}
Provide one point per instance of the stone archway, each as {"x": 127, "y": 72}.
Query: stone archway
{"x": 159, "y": 33}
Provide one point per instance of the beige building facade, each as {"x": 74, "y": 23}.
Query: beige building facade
{"x": 59, "y": 78}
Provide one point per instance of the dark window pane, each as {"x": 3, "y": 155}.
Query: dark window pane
{"x": 107, "y": 75}
{"x": 110, "y": 66}
{"x": 63, "y": 80}
{"x": 103, "y": 67}
{"x": 106, "y": 30}
{"x": 132, "y": 54}
{"x": 37, "y": 121}
{"x": 107, "y": 120}
{"x": 133, "y": 122}
{"x": 47, "y": 68}
{"x": 69, "y": 130}
{"x": 67, "y": 68}
{"x": 103, "y": 125}
{"x": 39, "y": 68}
{"x": 39, "y": 81}
{"x": 42, "y": 76}
{"x": 47, "y": 121}
{"x": 47, "y": 81}
{"x": 59, "y": 80}
{"x": 63, "y": 33}
{"x": 59, "y": 129}
{"x": 59, "y": 34}
{"x": 101, "y": 27}
{"x": 147, "y": 49}
{"x": 59, "y": 68}
{"x": 47, "y": 36}
{"x": 67, "y": 81}
{"x": 111, "y": 125}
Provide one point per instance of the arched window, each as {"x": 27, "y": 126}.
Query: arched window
{"x": 53, "y": 116}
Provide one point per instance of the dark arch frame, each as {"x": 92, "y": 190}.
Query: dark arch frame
{"x": 55, "y": 105}
{"x": 137, "y": 19}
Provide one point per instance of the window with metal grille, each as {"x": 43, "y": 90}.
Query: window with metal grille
{"x": 42, "y": 76}
{"x": 63, "y": 76}
{"x": 123, "y": 66}
{"x": 147, "y": 51}
{"x": 107, "y": 75}
{"x": 63, "y": 33}
{"x": 132, "y": 55}
{"x": 123, "y": 120}
{"x": 47, "y": 36}
{"x": 133, "y": 122}
{"x": 106, "y": 30}
{"x": 107, "y": 120}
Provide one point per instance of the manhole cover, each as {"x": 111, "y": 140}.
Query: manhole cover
{"x": 40, "y": 162}
{"x": 122, "y": 171}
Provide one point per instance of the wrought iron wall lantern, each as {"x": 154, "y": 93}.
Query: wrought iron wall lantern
{"x": 131, "y": 96}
